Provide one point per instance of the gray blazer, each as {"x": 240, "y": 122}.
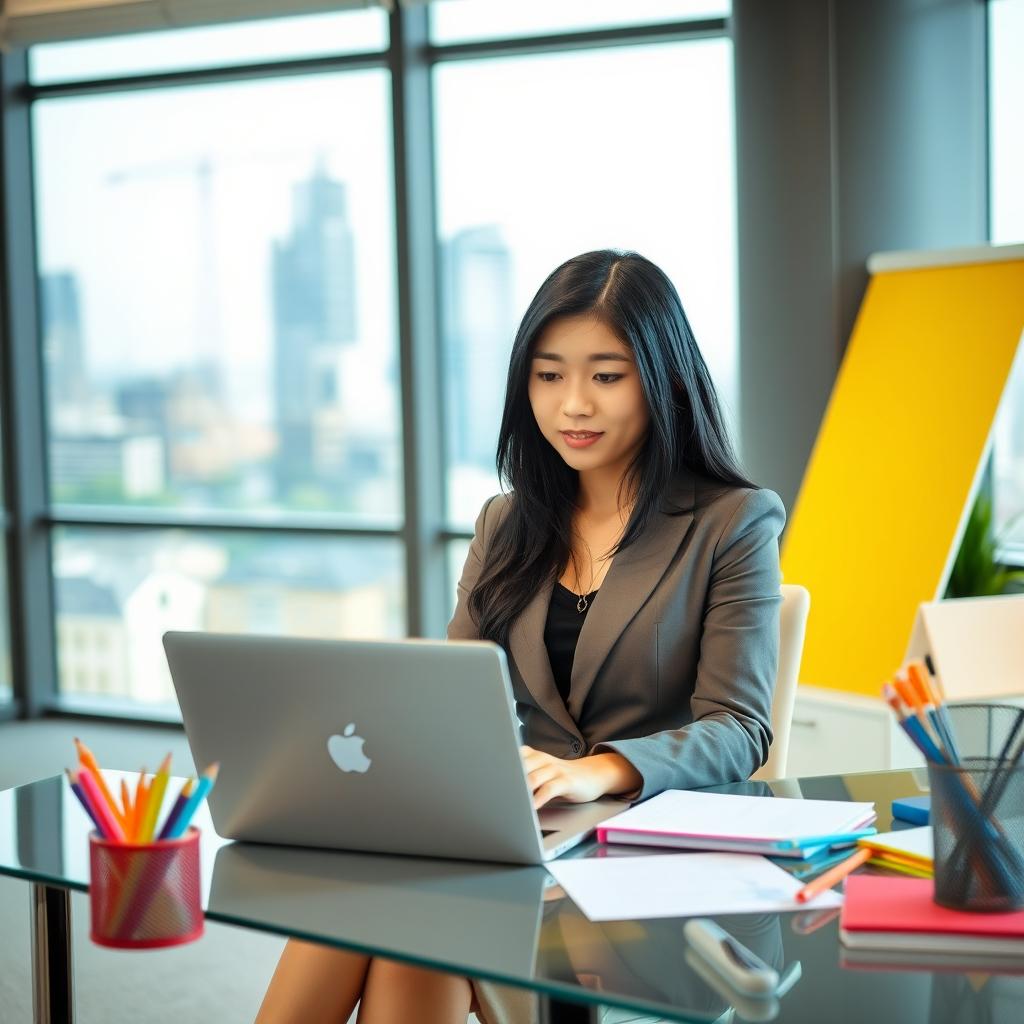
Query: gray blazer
{"x": 676, "y": 662}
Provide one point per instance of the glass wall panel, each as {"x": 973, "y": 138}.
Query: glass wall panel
{"x": 217, "y": 291}
{"x": 6, "y": 675}
{"x": 6, "y": 678}
{"x": 117, "y": 591}
{"x": 194, "y": 48}
{"x": 460, "y": 21}
{"x": 544, "y": 157}
{"x": 1006, "y": 104}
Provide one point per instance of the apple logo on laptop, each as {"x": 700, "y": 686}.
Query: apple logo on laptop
{"x": 347, "y": 751}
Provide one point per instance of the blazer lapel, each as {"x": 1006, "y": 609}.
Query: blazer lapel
{"x": 633, "y": 575}
{"x": 526, "y": 645}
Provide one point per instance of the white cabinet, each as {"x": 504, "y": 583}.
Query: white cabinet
{"x": 837, "y": 732}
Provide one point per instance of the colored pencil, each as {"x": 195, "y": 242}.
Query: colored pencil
{"x": 126, "y": 805}
{"x": 110, "y": 827}
{"x": 833, "y": 875}
{"x": 932, "y": 701}
{"x": 77, "y": 790}
{"x": 139, "y": 804}
{"x": 175, "y": 811}
{"x": 154, "y": 801}
{"x": 909, "y": 695}
{"x": 88, "y": 760}
{"x": 206, "y": 781}
{"x": 917, "y": 733}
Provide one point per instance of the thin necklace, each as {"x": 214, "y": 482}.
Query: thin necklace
{"x": 581, "y": 604}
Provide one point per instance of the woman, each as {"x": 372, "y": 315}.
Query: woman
{"x": 632, "y": 575}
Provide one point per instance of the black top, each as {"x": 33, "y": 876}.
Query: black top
{"x": 562, "y": 631}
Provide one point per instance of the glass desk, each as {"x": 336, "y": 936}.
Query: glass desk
{"x": 510, "y": 924}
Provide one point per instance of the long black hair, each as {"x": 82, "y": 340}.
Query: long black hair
{"x": 638, "y": 302}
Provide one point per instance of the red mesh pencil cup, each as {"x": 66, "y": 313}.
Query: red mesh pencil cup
{"x": 145, "y": 896}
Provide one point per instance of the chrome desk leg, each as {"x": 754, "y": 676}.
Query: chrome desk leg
{"x": 52, "y": 991}
{"x": 554, "y": 1011}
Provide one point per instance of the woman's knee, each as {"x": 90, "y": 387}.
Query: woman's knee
{"x": 313, "y": 983}
{"x": 394, "y": 988}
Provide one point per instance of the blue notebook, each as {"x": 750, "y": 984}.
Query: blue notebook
{"x": 913, "y": 809}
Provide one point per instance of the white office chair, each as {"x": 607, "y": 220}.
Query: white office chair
{"x": 796, "y": 602}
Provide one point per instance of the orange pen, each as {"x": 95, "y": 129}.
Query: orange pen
{"x": 909, "y": 696}
{"x": 919, "y": 681}
{"x": 833, "y": 875}
{"x": 932, "y": 701}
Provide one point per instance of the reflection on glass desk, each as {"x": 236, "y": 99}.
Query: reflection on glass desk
{"x": 513, "y": 925}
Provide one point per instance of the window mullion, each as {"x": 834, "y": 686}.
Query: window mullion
{"x": 34, "y": 664}
{"x": 422, "y": 432}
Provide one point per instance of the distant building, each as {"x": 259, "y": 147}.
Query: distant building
{"x": 111, "y": 647}
{"x": 92, "y": 650}
{"x": 163, "y": 599}
{"x": 140, "y": 583}
{"x": 67, "y": 382}
{"x": 479, "y": 328}
{"x": 142, "y": 402}
{"x": 314, "y": 301}
{"x": 106, "y": 467}
{"x": 301, "y": 590}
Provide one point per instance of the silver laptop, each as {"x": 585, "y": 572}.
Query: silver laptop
{"x": 407, "y": 746}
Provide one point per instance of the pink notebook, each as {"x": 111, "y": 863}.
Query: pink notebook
{"x": 880, "y": 912}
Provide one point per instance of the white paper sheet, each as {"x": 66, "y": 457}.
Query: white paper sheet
{"x": 681, "y": 885}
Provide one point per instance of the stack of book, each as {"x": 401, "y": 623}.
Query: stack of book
{"x": 899, "y": 918}
{"x": 733, "y": 823}
{"x": 908, "y": 851}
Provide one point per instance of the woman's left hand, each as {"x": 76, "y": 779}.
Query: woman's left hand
{"x": 577, "y": 781}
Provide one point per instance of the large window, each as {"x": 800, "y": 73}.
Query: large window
{"x": 1006, "y": 100}
{"x": 230, "y": 295}
{"x": 218, "y": 296}
{"x": 217, "y": 307}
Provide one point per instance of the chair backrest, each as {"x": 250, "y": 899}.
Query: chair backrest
{"x": 796, "y": 602}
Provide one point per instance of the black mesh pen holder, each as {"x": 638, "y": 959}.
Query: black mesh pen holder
{"x": 977, "y": 809}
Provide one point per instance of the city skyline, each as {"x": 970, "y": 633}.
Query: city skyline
{"x": 172, "y": 438}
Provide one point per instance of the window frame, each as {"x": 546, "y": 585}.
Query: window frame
{"x": 1009, "y": 555}
{"x": 29, "y": 518}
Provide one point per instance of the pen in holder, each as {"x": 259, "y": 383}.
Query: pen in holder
{"x": 977, "y": 810}
{"x": 147, "y": 895}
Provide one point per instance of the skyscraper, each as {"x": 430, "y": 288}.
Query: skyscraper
{"x": 479, "y": 329}
{"x": 63, "y": 348}
{"x": 314, "y": 294}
